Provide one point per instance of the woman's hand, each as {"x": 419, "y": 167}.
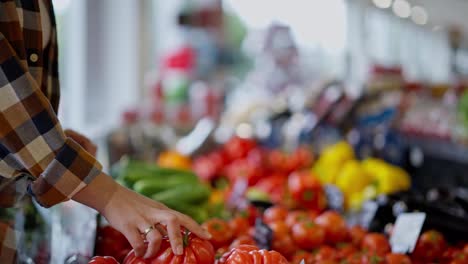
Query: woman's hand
{"x": 132, "y": 214}
{"x": 82, "y": 140}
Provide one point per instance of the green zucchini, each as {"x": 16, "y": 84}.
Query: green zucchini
{"x": 184, "y": 194}
{"x": 151, "y": 186}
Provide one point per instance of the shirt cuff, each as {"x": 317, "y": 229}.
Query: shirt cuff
{"x": 72, "y": 169}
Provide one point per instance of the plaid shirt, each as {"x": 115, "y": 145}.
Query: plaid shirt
{"x": 33, "y": 146}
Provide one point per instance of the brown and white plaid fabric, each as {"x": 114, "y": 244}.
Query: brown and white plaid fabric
{"x": 33, "y": 145}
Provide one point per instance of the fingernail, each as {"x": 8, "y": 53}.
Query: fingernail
{"x": 208, "y": 235}
{"x": 179, "y": 250}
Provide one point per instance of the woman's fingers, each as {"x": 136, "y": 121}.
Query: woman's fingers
{"x": 137, "y": 242}
{"x": 193, "y": 226}
{"x": 154, "y": 239}
{"x": 175, "y": 236}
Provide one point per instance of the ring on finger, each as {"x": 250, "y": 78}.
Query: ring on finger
{"x": 147, "y": 231}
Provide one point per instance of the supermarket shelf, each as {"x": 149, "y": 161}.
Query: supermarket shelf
{"x": 442, "y": 149}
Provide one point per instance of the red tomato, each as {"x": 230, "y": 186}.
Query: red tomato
{"x": 449, "y": 254}
{"x": 298, "y": 216}
{"x": 375, "y": 243}
{"x": 282, "y": 241}
{"x": 244, "y": 169}
{"x": 308, "y": 235}
{"x": 275, "y": 213}
{"x": 252, "y": 255}
{"x": 238, "y": 148}
{"x": 221, "y": 251}
{"x": 208, "y": 167}
{"x": 430, "y": 247}
{"x": 221, "y": 233}
{"x": 279, "y": 228}
{"x": 242, "y": 240}
{"x": 465, "y": 249}
{"x": 111, "y": 242}
{"x": 303, "y": 255}
{"x": 357, "y": 234}
{"x": 326, "y": 253}
{"x": 372, "y": 259}
{"x": 196, "y": 251}
{"x": 460, "y": 258}
{"x": 103, "y": 260}
{"x": 301, "y": 158}
{"x": 239, "y": 226}
{"x": 307, "y": 191}
{"x": 397, "y": 259}
{"x": 250, "y": 213}
{"x": 284, "y": 245}
{"x": 277, "y": 161}
{"x": 334, "y": 225}
{"x": 345, "y": 250}
{"x": 275, "y": 186}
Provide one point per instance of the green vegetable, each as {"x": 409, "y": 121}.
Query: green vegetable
{"x": 198, "y": 213}
{"x": 184, "y": 194}
{"x": 150, "y": 186}
{"x": 134, "y": 171}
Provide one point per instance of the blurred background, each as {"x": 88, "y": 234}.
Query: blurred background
{"x": 221, "y": 107}
{"x": 164, "y": 65}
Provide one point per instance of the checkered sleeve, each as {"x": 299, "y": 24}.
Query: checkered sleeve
{"x": 31, "y": 133}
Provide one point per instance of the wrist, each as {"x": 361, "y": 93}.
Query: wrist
{"x": 98, "y": 193}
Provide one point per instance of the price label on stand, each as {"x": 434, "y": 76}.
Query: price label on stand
{"x": 263, "y": 234}
{"x": 406, "y": 232}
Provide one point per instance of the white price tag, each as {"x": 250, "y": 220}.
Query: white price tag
{"x": 302, "y": 261}
{"x": 406, "y": 232}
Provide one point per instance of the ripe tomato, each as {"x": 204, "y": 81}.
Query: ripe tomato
{"x": 250, "y": 213}
{"x": 298, "y": 216}
{"x": 430, "y": 247}
{"x": 326, "y": 253}
{"x": 238, "y": 148}
{"x": 372, "y": 259}
{"x": 308, "y": 235}
{"x": 397, "y": 259}
{"x": 279, "y": 228}
{"x": 103, "y": 260}
{"x": 303, "y": 255}
{"x": 282, "y": 241}
{"x": 111, "y": 242}
{"x": 196, "y": 251}
{"x": 334, "y": 225}
{"x": 357, "y": 234}
{"x": 243, "y": 169}
{"x": 345, "y": 250}
{"x": 460, "y": 258}
{"x": 275, "y": 213}
{"x": 307, "y": 191}
{"x": 301, "y": 158}
{"x": 221, "y": 251}
{"x": 251, "y": 255}
{"x": 465, "y": 249}
{"x": 221, "y": 233}
{"x": 284, "y": 245}
{"x": 242, "y": 240}
{"x": 210, "y": 166}
{"x": 277, "y": 161}
{"x": 275, "y": 186}
{"x": 239, "y": 226}
{"x": 375, "y": 243}
{"x": 449, "y": 254}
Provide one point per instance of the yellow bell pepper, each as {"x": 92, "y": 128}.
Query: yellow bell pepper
{"x": 352, "y": 178}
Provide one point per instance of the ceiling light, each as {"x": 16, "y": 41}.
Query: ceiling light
{"x": 419, "y": 15}
{"x": 382, "y": 3}
{"x": 402, "y": 8}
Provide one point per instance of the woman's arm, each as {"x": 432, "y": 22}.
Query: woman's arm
{"x": 63, "y": 170}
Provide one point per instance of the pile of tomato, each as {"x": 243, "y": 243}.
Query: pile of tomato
{"x": 325, "y": 238}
